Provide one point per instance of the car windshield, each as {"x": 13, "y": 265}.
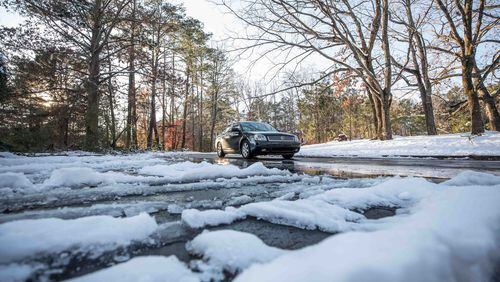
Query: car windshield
{"x": 256, "y": 126}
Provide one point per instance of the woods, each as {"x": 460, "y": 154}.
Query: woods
{"x": 141, "y": 74}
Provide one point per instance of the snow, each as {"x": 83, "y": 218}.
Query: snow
{"x": 14, "y": 180}
{"x": 395, "y": 192}
{"x": 451, "y": 234}
{"x": 438, "y": 145}
{"x": 473, "y": 178}
{"x": 240, "y": 200}
{"x": 113, "y": 209}
{"x": 188, "y": 171}
{"x": 329, "y": 211}
{"x": 228, "y": 250}
{"x": 143, "y": 269}
{"x": 43, "y": 173}
{"x": 24, "y": 238}
{"x": 74, "y": 176}
{"x": 305, "y": 213}
{"x": 197, "y": 219}
{"x": 17, "y": 272}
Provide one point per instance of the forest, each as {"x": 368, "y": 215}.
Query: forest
{"x": 143, "y": 75}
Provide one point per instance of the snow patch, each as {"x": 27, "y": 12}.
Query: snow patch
{"x": 188, "y": 171}
{"x": 24, "y": 238}
{"x": 144, "y": 269}
{"x": 473, "y": 178}
{"x": 228, "y": 250}
{"x": 17, "y": 272}
{"x": 307, "y": 214}
{"x": 240, "y": 200}
{"x": 197, "y": 219}
{"x": 14, "y": 180}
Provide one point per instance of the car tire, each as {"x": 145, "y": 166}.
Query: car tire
{"x": 245, "y": 150}
{"x": 287, "y": 156}
{"x": 220, "y": 152}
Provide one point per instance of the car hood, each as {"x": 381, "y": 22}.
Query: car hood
{"x": 269, "y": 133}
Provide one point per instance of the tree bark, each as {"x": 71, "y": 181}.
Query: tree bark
{"x": 131, "y": 132}
{"x": 184, "y": 113}
{"x": 477, "y": 126}
{"x": 92, "y": 113}
{"x": 488, "y": 100}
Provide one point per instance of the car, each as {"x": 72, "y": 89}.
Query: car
{"x": 250, "y": 138}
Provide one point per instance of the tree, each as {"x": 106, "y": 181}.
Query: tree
{"x": 417, "y": 65}
{"x": 87, "y": 26}
{"x": 343, "y": 32}
{"x": 467, "y": 27}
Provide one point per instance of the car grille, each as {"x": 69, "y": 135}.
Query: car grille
{"x": 280, "y": 138}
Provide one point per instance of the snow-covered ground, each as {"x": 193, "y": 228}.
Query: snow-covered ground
{"x": 457, "y": 145}
{"x": 59, "y": 211}
{"x": 442, "y": 232}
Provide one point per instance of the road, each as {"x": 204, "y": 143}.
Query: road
{"x": 348, "y": 167}
{"x": 166, "y": 200}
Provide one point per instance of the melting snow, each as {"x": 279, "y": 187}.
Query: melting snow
{"x": 144, "y": 269}
{"x": 24, "y": 238}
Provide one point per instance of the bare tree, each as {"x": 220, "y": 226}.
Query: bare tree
{"x": 417, "y": 64}
{"x": 344, "y": 32}
{"x": 466, "y": 28}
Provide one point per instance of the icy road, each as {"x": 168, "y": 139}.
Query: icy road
{"x": 195, "y": 217}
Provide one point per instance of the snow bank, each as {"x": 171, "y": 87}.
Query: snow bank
{"x": 24, "y": 238}
{"x": 144, "y": 269}
{"x": 197, "y": 219}
{"x": 188, "y": 171}
{"x": 439, "y": 145}
{"x": 229, "y": 250}
{"x": 451, "y": 234}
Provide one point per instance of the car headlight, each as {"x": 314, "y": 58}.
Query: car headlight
{"x": 296, "y": 138}
{"x": 260, "y": 137}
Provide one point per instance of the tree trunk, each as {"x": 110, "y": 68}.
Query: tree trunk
{"x": 385, "y": 94}
{"x": 152, "y": 115}
{"x": 488, "y": 100}
{"x": 184, "y": 113}
{"x": 477, "y": 126}
{"x": 131, "y": 132}
{"x": 92, "y": 113}
{"x": 491, "y": 108}
{"x": 213, "y": 119}
{"x": 200, "y": 107}
{"x": 375, "y": 120}
{"x": 386, "y": 117}
{"x": 111, "y": 104}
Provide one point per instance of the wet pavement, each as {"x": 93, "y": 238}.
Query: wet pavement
{"x": 352, "y": 167}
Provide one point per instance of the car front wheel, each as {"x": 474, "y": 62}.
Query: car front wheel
{"x": 287, "y": 156}
{"x": 220, "y": 152}
{"x": 245, "y": 150}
